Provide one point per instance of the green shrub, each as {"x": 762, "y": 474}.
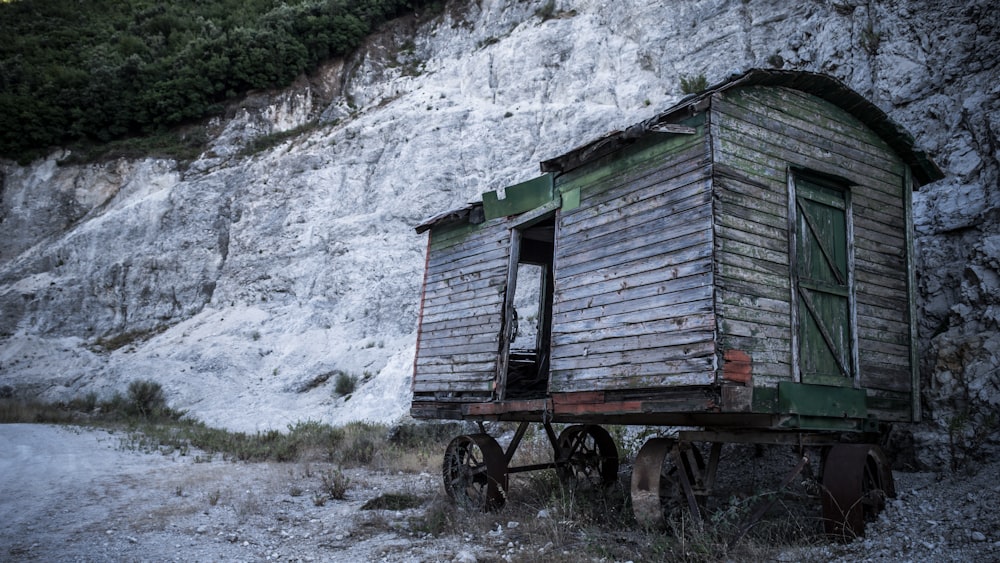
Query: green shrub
{"x": 345, "y": 384}
{"x": 693, "y": 84}
{"x": 145, "y": 398}
{"x": 334, "y": 484}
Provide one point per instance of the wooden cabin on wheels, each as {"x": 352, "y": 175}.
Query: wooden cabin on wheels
{"x": 740, "y": 263}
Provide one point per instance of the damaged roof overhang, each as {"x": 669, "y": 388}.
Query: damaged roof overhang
{"x": 471, "y": 213}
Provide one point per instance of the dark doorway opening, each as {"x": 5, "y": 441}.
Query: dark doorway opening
{"x": 529, "y": 314}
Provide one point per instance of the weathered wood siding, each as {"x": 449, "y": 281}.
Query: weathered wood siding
{"x": 757, "y": 133}
{"x": 459, "y": 341}
{"x": 633, "y": 270}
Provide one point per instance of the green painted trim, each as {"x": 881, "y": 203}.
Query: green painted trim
{"x": 821, "y": 400}
{"x": 765, "y": 400}
{"x": 571, "y": 199}
{"x": 518, "y": 198}
{"x": 444, "y": 236}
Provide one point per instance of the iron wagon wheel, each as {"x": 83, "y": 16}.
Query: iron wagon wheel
{"x": 656, "y": 492}
{"x": 475, "y": 473}
{"x": 588, "y": 457}
{"x": 857, "y": 478}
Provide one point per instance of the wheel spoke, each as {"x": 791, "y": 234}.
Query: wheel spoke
{"x": 588, "y": 457}
{"x": 474, "y": 472}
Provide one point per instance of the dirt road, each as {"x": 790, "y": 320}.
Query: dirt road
{"x": 71, "y": 494}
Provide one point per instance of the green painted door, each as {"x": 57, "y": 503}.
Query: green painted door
{"x": 822, "y": 284}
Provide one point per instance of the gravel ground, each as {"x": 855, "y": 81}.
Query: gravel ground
{"x": 71, "y": 494}
{"x": 953, "y": 517}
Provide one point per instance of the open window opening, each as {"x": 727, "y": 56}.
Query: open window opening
{"x": 525, "y": 346}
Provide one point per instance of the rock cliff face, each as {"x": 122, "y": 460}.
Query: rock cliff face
{"x": 246, "y": 283}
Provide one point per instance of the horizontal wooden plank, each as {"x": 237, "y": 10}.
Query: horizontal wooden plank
{"x": 804, "y": 106}
{"x": 881, "y": 216}
{"x": 633, "y": 227}
{"x": 689, "y": 169}
{"x": 496, "y": 254}
{"x": 872, "y": 310}
{"x": 872, "y": 227}
{"x": 475, "y": 329}
{"x": 662, "y": 333}
{"x": 462, "y": 298}
{"x": 467, "y": 250}
{"x": 476, "y": 237}
{"x": 761, "y": 350}
{"x": 631, "y": 342}
{"x": 442, "y": 237}
{"x": 645, "y": 299}
{"x": 674, "y": 375}
{"x": 737, "y": 207}
{"x": 752, "y": 232}
{"x": 880, "y": 288}
{"x": 776, "y": 319}
{"x": 768, "y": 374}
{"x": 884, "y": 356}
{"x": 860, "y": 148}
{"x": 576, "y": 254}
{"x": 877, "y": 283}
{"x": 611, "y": 294}
{"x": 887, "y": 271}
{"x": 755, "y": 286}
{"x": 459, "y": 373}
{"x": 764, "y": 154}
{"x": 454, "y": 387}
{"x": 457, "y": 280}
{"x": 456, "y": 360}
{"x": 733, "y": 265}
{"x": 878, "y": 246}
{"x": 878, "y": 199}
{"x": 738, "y": 274}
{"x": 645, "y": 156}
{"x": 885, "y": 376}
{"x": 629, "y": 269}
{"x": 752, "y": 300}
{"x": 899, "y": 338}
{"x": 634, "y": 319}
{"x": 753, "y": 330}
{"x": 462, "y": 377}
{"x": 889, "y": 326}
{"x": 495, "y": 281}
{"x": 751, "y": 177}
{"x": 456, "y": 348}
{"x": 629, "y": 357}
{"x": 748, "y": 245}
{"x": 884, "y": 348}
{"x": 475, "y": 323}
{"x": 448, "y": 314}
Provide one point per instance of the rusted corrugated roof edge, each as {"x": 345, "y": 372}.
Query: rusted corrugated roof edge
{"x": 826, "y": 87}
